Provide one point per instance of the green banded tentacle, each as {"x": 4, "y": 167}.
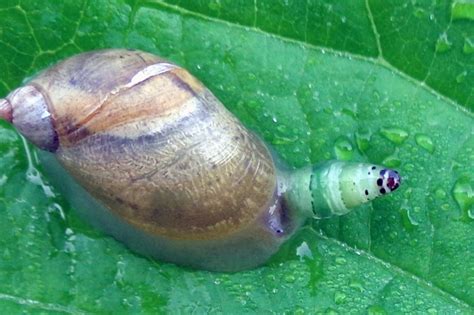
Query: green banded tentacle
{"x": 333, "y": 188}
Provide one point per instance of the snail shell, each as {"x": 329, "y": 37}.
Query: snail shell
{"x": 164, "y": 166}
{"x": 156, "y": 148}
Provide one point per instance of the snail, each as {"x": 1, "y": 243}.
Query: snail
{"x": 151, "y": 156}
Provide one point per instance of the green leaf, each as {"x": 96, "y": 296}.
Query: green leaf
{"x": 371, "y": 81}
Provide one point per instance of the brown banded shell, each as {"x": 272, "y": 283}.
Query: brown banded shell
{"x": 156, "y": 148}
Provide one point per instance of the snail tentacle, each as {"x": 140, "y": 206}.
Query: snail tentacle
{"x": 335, "y": 187}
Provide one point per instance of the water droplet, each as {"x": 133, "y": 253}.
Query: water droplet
{"x": 376, "y": 95}
{"x": 356, "y": 285}
{"x": 419, "y": 13}
{"x": 362, "y": 140}
{"x": 349, "y": 113}
{"x": 440, "y": 194}
{"x": 462, "y": 10}
{"x": 3, "y": 180}
{"x": 468, "y": 47}
{"x": 409, "y": 223}
{"x": 339, "y": 297}
{"x": 343, "y": 149}
{"x": 328, "y": 110}
{"x": 283, "y": 129}
{"x": 32, "y": 174}
{"x": 252, "y": 104}
{"x": 330, "y": 311}
{"x": 443, "y": 44}
{"x": 393, "y": 235}
{"x": 425, "y": 142}
{"x": 461, "y": 77}
{"x": 463, "y": 193}
{"x": 392, "y": 161}
{"x": 290, "y": 278}
{"x": 376, "y": 310}
{"x": 396, "y": 135}
{"x": 277, "y": 140}
{"x": 299, "y": 311}
{"x": 340, "y": 261}
{"x": 303, "y": 251}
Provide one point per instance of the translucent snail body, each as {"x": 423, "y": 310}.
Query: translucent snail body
{"x": 153, "y": 158}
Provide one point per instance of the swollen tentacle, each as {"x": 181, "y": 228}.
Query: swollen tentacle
{"x": 335, "y": 187}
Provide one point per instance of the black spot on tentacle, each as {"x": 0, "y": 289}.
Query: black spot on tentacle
{"x": 366, "y": 192}
{"x": 379, "y": 182}
{"x": 374, "y": 167}
{"x": 382, "y": 191}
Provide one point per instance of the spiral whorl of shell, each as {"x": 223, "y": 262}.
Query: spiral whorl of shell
{"x": 148, "y": 140}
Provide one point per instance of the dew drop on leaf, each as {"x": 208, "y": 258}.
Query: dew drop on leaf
{"x": 330, "y": 311}
{"x": 290, "y": 278}
{"x": 252, "y": 104}
{"x": 343, "y": 149}
{"x": 349, "y": 112}
{"x": 376, "y": 95}
{"x": 425, "y": 142}
{"x": 339, "y": 297}
{"x": 462, "y": 10}
{"x": 419, "y": 13}
{"x": 443, "y": 44}
{"x": 251, "y": 77}
{"x": 396, "y": 135}
{"x": 328, "y": 110}
{"x": 340, "y": 260}
{"x": 461, "y": 77}
{"x": 409, "y": 223}
{"x": 392, "y": 161}
{"x": 463, "y": 193}
{"x": 303, "y": 251}
{"x": 355, "y": 284}
{"x": 468, "y": 47}
{"x": 445, "y": 207}
{"x": 362, "y": 139}
{"x": 440, "y": 194}
{"x": 3, "y": 180}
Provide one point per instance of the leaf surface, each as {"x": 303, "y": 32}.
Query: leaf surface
{"x": 367, "y": 81}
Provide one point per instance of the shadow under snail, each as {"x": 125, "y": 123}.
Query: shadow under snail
{"x": 148, "y": 154}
